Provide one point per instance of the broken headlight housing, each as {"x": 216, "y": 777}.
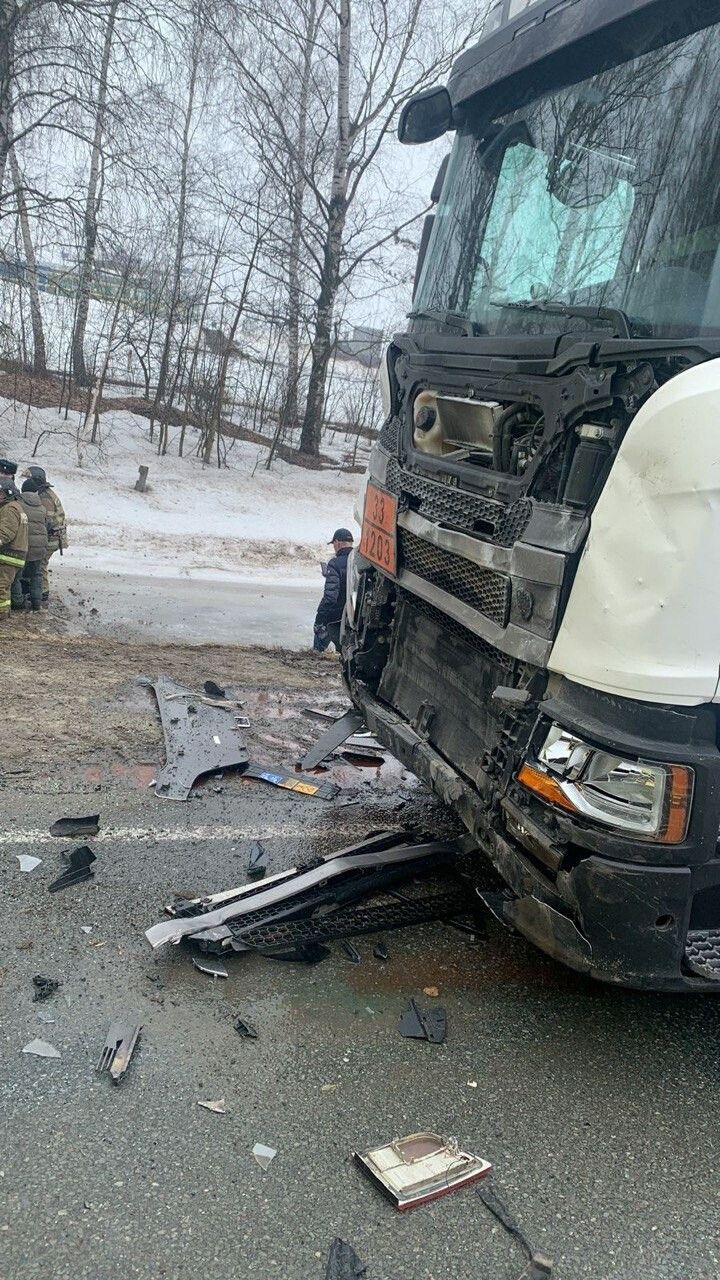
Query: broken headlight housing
{"x": 639, "y": 798}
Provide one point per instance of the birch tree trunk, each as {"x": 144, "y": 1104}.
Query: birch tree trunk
{"x": 92, "y": 205}
{"x": 7, "y": 51}
{"x": 179, "y": 255}
{"x": 289, "y": 411}
{"x": 39, "y": 351}
{"x": 311, "y": 433}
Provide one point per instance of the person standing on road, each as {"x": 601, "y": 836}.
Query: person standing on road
{"x": 57, "y": 524}
{"x": 330, "y": 609}
{"x": 29, "y": 580}
{"x": 13, "y": 540}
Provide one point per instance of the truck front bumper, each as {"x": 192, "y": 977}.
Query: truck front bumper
{"x": 621, "y": 922}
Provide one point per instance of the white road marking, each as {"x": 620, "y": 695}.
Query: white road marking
{"x": 169, "y": 835}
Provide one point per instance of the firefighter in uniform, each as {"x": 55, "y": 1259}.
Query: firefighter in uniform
{"x": 57, "y": 524}
{"x": 13, "y": 540}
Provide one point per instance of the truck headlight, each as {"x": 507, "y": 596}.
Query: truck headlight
{"x": 648, "y": 800}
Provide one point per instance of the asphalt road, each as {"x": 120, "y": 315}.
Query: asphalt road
{"x": 597, "y": 1108}
{"x": 191, "y": 610}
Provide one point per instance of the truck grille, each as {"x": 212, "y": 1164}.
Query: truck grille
{"x": 467, "y": 639}
{"x": 502, "y": 525}
{"x": 483, "y": 589}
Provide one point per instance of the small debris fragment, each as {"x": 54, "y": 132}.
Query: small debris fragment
{"x": 43, "y": 1016}
{"x": 328, "y": 1088}
{"x": 218, "y": 1108}
{"x": 86, "y": 928}
{"x": 44, "y": 987}
{"x": 343, "y": 1262}
{"x": 118, "y": 1049}
{"x": 540, "y": 1266}
{"x": 213, "y": 690}
{"x": 472, "y": 1084}
{"x": 41, "y": 1049}
{"x": 27, "y": 861}
{"x": 351, "y": 952}
{"x": 257, "y": 865}
{"x": 80, "y": 862}
{"x": 380, "y": 951}
{"x": 215, "y": 968}
{"x": 245, "y": 1029}
{"x": 431, "y": 991}
{"x": 423, "y": 1024}
{"x": 88, "y": 826}
{"x": 264, "y": 1155}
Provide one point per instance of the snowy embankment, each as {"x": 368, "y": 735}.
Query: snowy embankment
{"x": 239, "y": 521}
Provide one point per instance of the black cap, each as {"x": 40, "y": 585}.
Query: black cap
{"x": 7, "y": 485}
{"x": 341, "y": 535}
{"x": 7, "y": 468}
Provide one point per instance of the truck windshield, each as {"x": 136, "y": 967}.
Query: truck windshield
{"x": 605, "y": 194}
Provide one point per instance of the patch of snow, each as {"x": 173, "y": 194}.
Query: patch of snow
{"x": 240, "y": 520}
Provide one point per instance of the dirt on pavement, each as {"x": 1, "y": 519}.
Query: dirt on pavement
{"x": 79, "y": 699}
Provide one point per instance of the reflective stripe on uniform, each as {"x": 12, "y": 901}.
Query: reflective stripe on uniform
{"x": 12, "y": 560}
{"x": 5, "y": 604}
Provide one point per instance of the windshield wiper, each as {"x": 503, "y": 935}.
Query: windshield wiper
{"x": 450, "y": 318}
{"x": 612, "y": 315}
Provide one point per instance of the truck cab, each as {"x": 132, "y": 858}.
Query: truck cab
{"x": 533, "y": 615}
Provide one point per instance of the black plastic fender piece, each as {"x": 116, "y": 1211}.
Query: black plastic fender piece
{"x": 199, "y": 738}
{"x": 334, "y": 736}
{"x": 343, "y": 1262}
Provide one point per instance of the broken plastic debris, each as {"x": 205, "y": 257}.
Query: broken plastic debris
{"x": 257, "y": 866}
{"x": 80, "y": 862}
{"x": 218, "y": 1107}
{"x": 215, "y": 968}
{"x": 343, "y": 1262}
{"x": 472, "y": 1084}
{"x": 86, "y": 928}
{"x": 45, "y": 1017}
{"x": 351, "y": 952}
{"x": 540, "y": 1266}
{"x": 380, "y": 952}
{"x": 213, "y": 690}
{"x": 41, "y": 1049}
{"x": 44, "y": 986}
{"x": 264, "y": 1155}
{"x": 245, "y": 1029}
{"x": 118, "y": 1049}
{"x": 88, "y": 826}
{"x": 431, "y": 991}
{"x": 27, "y": 861}
{"x": 423, "y": 1024}
{"x": 421, "y": 1167}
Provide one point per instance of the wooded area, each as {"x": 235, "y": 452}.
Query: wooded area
{"x": 210, "y": 187}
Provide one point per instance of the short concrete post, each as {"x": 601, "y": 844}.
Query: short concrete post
{"x": 141, "y": 482}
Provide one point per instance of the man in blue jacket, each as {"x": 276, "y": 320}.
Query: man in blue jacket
{"x": 330, "y": 609}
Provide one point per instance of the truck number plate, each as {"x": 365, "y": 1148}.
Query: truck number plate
{"x": 379, "y": 529}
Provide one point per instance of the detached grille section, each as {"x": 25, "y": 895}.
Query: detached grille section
{"x": 483, "y": 589}
{"x": 499, "y": 524}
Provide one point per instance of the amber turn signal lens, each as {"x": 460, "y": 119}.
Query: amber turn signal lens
{"x": 679, "y": 799}
{"x": 544, "y": 786}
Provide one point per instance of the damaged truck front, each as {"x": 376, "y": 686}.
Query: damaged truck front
{"x": 533, "y": 615}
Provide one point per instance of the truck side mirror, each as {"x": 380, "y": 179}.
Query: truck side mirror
{"x": 428, "y": 115}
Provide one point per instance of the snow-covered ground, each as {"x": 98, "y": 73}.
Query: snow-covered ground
{"x": 239, "y": 521}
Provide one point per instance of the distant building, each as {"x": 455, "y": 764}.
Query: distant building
{"x": 365, "y": 345}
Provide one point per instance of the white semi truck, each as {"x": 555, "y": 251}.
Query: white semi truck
{"x": 533, "y": 619}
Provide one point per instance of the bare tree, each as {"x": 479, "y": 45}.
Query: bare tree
{"x": 31, "y": 275}
{"x": 93, "y": 198}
